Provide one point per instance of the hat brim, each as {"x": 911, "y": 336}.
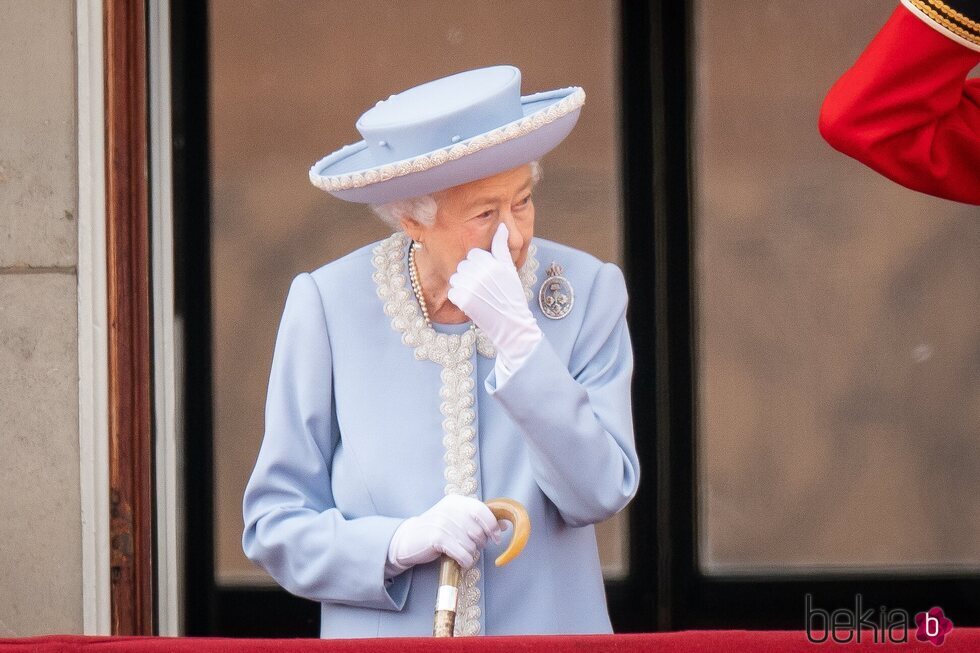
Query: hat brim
{"x": 548, "y": 118}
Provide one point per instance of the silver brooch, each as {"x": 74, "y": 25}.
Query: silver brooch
{"x": 556, "y": 295}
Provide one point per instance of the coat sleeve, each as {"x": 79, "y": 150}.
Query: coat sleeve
{"x": 293, "y": 529}
{"x": 907, "y": 110}
{"x": 576, "y": 418}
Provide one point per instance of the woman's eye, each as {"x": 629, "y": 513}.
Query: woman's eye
{"x": 524, "y": 202}
{"x": 485, "y": 215}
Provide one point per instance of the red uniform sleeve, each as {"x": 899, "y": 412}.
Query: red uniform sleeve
{"x": 907, "y": 110}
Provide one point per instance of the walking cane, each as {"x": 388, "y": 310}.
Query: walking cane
{"x": 508, "y": 509}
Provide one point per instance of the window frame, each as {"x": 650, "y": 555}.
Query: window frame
{"x": 254, "y": 611}
{"x": 665, "y": 589}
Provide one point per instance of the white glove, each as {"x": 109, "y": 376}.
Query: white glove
{"x": 487, "y": 288}
{"x": 457, "y": 526}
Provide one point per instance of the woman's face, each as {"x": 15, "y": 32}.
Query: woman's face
{"x": 468, "y": 216}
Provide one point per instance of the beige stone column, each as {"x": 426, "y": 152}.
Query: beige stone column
{"x": 40, "y": 529}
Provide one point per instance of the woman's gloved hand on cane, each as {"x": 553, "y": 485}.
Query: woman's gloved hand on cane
{"x": 457, "y": 526}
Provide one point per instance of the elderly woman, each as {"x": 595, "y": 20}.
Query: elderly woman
{"x": 417, "y": 376}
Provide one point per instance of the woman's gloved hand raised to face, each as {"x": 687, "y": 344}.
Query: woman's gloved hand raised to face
{"x": 488, "y": 289}
{"x": 457, "y": 526}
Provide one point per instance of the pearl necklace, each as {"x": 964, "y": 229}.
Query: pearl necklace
{"x": 413, "y": 275}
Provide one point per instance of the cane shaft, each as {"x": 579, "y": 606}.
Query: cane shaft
{"x": 444, "y": 624}
{"x": 444, "y": 621}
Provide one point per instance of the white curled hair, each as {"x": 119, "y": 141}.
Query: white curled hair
{"x": 423, "y": 208}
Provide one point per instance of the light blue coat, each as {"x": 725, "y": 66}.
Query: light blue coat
{"x": 354, "y": 444}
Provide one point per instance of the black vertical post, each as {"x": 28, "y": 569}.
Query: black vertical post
{"x": 192, "y": 271}
{"x": 673, "y": 259}
{"x": 636, "y": 82}
{"x": 658, "y": 262}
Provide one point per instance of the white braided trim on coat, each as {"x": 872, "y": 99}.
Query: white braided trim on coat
{"x": 454, "y": 352}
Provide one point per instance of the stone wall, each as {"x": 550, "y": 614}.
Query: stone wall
{"x": 40, "y": 530}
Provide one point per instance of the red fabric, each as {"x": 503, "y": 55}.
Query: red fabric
{"x": 961, "y": 640}
{"x": 907, "y": 110}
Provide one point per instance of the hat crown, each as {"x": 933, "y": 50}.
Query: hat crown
{"x": 442, "y": 112}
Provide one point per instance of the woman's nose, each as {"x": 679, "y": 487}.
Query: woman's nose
{"x": 515, "y": 239}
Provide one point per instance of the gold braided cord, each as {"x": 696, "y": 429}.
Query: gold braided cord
{"x": 955, "y": 15}
{"x": 927, "y": 9}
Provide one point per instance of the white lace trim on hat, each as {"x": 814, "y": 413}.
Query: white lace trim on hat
{"x": 454, "y": 352}
{"x": 424, "y": 162}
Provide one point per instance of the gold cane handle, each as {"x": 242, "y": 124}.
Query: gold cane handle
{"x": 449, "y": 572}
{"x": 516, "y": 514}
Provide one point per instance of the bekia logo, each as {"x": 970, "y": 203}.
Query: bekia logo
{"x": 884, "y": 626}
{"x": 932, "y": 626}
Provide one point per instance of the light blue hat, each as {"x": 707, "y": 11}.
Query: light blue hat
{"x": 447, "y": 132}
